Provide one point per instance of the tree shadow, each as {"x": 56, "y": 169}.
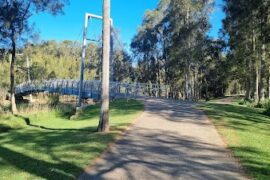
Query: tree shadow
{"x": 163, "y": 155}
{"x": 240, "y": 118}
{"x": 117, "y": 108}
{"x": 28, "y": 123}
{"x": 4, "y": 128}
{"x": 37, "y": 167}
{"x": 53, "y": 154}
{"x": 253, "y": 130}
{"x": 255, "y": 161}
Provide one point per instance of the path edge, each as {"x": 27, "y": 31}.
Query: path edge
{"x": 225, "y": 145}
{"x": 112, "y": 144}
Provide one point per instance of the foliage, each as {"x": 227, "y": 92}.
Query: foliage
{"x": 245, "y": 102}
{"x": 53, "y": 147}
{"x": 266, "y": 106}
{"x": 246, "y": 32}
{"x": 172, "y": 47}
{"x": 3, "y": 94}
{"x": 246, "y": 131}
{"x": 54, "y": 99}
{"x": 14, "y": 23}
{"x": 252, "y": 104}
{"x": 50, "y": 59}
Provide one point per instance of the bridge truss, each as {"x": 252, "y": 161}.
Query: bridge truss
{"x": 91, "y": 89}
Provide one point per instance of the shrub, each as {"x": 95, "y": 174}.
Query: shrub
{"x": 3, "y": 94}
{"x": 54, "y": 99}
{"x": 246, "y": 102}
{"x": 266, "y": 106}
{"x": 66, "y": 110}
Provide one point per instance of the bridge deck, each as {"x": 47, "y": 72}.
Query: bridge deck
{"x": 92, "y": 89}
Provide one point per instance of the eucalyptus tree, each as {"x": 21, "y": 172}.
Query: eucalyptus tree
{"x": 247, "y": 27}
{"x": 169, "y": 42}
{"x": 15, "y": 25}
{"x": 122, "y": 66}
{"x": 189, "y": 24}
{"x": 150, "y": 46}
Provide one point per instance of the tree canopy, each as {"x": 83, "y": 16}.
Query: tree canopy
{"x": 14, "y": 23}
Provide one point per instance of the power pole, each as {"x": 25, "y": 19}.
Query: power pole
{"x": 83, "y": 60}
{"x": 104, "y": 111}
{"x": 28, "y": 73}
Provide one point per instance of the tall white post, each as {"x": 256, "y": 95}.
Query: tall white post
{"x": 28, "y": 74}
{"x": 83, "y": 60}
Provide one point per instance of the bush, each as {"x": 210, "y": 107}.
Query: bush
{"x": 3, "y": 94}
{"x": 258, "y": 105}
{"x": 266, "y": 106}
{"x": 66, "y": 110}
{"x": 54, "y": 99}
{"x": 246, "y": 102}
{"x": 251, "y": 103}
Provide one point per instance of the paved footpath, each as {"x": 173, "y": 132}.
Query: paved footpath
{"x": 171, "y": 140}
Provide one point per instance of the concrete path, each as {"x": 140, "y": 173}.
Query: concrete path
{"x": 171, "y": 140}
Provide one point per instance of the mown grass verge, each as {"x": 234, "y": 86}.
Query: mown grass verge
{"x": 247, "y": 132}
{"x": 47, "y": 145}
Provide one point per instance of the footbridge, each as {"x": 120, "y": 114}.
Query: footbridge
{"x": 92, "y": 89}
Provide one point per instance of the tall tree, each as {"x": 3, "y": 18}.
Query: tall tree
{"x": 14, "y": 23}
{"x": 169, "y": 43}
{"x": 247, "y": 27}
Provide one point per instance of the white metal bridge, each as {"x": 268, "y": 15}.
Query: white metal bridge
{"x": 91, "y": 89}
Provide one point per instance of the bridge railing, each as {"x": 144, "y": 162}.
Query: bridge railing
{"x": 92, "y": 88}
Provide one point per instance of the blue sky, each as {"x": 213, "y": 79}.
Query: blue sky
{"x": 127, "y": 17}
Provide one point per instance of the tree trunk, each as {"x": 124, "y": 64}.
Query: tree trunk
{"x": 206, "y": 90}
{"x": 263, "y": 59}
{"x": 104, "y": 112}
{"x": 188, "y": 60}
{"x": 196, "y": 84}
{"x": 250, "y": 83}
{"x": 201, "y": 84}
{"x": 12, "y": 77}
{"x": 192, "y": 85}
{"x": 257, "y": 73}
{"x": 257, "y": 96}
{"x": 186, "y": 85}
{"x": 269, "y": 81}
{"x": 247, "y": 95}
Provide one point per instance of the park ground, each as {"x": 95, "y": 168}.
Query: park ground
{"x": 246, "y": 131}
{"x": 48, "y": 145}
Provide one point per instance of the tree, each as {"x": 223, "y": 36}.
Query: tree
{"x": 247, "y": 27}
{"x": 169, "y": 46}
{"x": 15, "y": 26}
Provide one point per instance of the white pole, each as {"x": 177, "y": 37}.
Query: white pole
{"x": 29, "y": 77}
{"x": 83, "y": 59}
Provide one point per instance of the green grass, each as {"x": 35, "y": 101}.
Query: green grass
{"x": 247, "y": 132}
{"x": 47, "y": 145}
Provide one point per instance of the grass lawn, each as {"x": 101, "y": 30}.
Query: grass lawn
{"x": 47, "y": 145}
{"x": 247, "y": 133}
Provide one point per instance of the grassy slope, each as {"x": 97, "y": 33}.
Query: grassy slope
{"x": 54, "y": 147}
{"x": 247, "y": 133}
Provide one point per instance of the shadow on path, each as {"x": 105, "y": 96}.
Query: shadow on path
{"x": 171, "y": 140}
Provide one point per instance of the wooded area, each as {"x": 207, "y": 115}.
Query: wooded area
{"x": 55, "y": 132}
{"x": 172, "y": 47}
